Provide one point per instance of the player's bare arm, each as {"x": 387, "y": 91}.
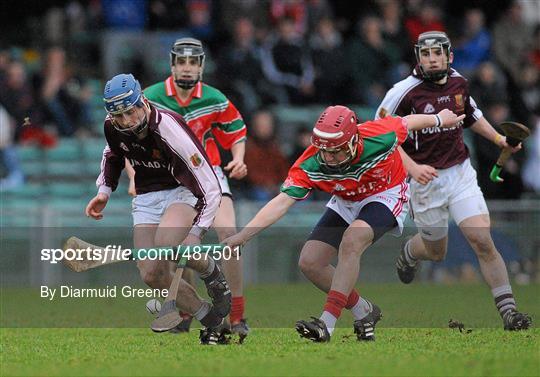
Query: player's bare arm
{"x": 444, "y": 119}
{"x": 274, "y": 210}
{"x": 421, "y": 173}
{"x": 96, "y": 205}
{"x": 485, "y": 129}
{"x": 131, "y": 175}
{"x": 237, "y": 168}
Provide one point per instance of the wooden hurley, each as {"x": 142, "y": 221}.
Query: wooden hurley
{"x": 515, "y": 133}
{"x": 97, "y": 255}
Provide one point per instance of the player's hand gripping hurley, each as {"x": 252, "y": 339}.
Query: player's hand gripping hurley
{"x": 515, "y": 133}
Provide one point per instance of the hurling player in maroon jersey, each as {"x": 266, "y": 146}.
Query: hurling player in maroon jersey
{"x": 178, "y": 192}
{"x": 444, "y": 182}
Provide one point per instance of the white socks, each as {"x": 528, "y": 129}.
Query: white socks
{"x": 361, "y": 309}
{"x": 411, "y": 260}
{"x": 329, "y": 320}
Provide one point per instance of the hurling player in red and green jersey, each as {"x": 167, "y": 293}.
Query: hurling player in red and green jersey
{"x": 213, "y": 119}
{"x": 359, "y": 164}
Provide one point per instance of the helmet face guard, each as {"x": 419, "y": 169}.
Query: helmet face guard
{"x": 121, "y": 94}
{"x": 335, "y": 131}
{"x": 137, "y": 129}
{"x": 350, "y": 148}
{"x": 433, "y": 40}
{"x": 187, "y": 47}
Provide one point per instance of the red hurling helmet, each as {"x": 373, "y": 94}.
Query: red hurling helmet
{"x": 335, "y": 130}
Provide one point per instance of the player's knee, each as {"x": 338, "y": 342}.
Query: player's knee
{"x": 154, "y": 276}
{"x": 353, "y": 245}
{"x": 483, "y": 245}
{"x": 437, "y": 254}
{"x": 309, "y": 265}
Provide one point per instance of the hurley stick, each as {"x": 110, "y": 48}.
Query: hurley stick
{"x": 515, "y": 133}
{"x": 96, "y": 256}
{"x": 168, "y": 317}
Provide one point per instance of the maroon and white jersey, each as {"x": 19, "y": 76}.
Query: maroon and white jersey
{"x": 170, "y": 156}
{"x": 438, "y": 147}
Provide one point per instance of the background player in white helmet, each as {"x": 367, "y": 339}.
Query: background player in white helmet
{"x": 444, "y": 182}
{"x": 213, "y": 119}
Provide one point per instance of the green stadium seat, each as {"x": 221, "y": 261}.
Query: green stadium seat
{"x": 97, "y": 116}
{"x": 93, "y": 153}
{"x": 66, "y": 190}
{"x": 20, "y": 220}
{"x": 69, "y": 212}
{"x": 93, "y": 149}
{"x": 27, "y": 190}
{"x": 17, "y": 211}
{"x": 66, "y": 169}
{"x": 33, "y": 168}
{"x": 117, "y": 213}
{"x": 29, "y": 153}
{"x": 67, "y": 150}
{"x": 97, "y": 112}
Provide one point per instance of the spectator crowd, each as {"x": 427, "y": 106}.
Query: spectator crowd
{"x": 264, "y": 53}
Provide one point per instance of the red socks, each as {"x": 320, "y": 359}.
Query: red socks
{"x": 352, "y": 299}
{"x": 335, "y": 302}
{"x": 237, "y": 309}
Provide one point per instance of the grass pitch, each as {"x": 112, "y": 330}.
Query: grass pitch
{"x": 412, "y": 339}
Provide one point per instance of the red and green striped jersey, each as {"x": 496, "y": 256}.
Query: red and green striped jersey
{"x": 377, "y": 169}
{"x": 210, "y": 115}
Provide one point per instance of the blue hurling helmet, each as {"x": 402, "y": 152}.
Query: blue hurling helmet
{"x": 121, "y": 93}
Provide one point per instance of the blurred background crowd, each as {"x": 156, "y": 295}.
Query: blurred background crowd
{"x": 281, "y": 62}
{"x": 263, "y": 54}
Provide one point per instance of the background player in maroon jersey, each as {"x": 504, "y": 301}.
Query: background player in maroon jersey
{"x": 360, "y": 165}
{"x": 178, "y": 191}
{"x": 444, "y": 182}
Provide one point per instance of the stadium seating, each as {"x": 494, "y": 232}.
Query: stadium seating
{"x": 62, "y": 180}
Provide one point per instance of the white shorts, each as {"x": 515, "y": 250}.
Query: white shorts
{"x": 148, "y": 208}
{"x": 395, "y": 199}
{"x": 454, "y": 192}
{"x": 223, "y": 182}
